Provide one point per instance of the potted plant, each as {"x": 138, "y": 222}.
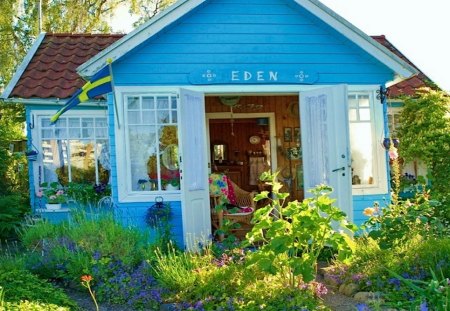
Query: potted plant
{"x": 54, "y": 194}
{"x": 31, "y": 154}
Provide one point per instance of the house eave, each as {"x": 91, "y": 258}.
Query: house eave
{"x": 51, "y": 102}
{"x": 20, "y": 70}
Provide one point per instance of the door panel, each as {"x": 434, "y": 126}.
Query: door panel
{"x": 325, "y": 143}
{"x": 194, "y": 174}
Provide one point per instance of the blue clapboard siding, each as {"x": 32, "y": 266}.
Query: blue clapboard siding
{"x": 262, "y": 35}
{"x": 360, "y": 202}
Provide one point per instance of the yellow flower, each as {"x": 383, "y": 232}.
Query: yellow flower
{"x": 369, "y": 211}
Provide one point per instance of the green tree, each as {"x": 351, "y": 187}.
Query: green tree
{"x": 425, "y": 134}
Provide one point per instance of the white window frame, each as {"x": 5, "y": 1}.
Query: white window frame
{"x": 36, "y": 132}
{"x": 380, "y": 184}
{"x": 125, "y": 192}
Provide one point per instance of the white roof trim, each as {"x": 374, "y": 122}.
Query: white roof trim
{"x": 361, "y": 39}
{"x": 138, "y": 35}
{"x": 182, "y": 7}
{"x": 20, "y": 70}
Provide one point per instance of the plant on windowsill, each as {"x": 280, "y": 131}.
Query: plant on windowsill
{"x": 54, "y": 194}
{"x": 171, "y": 180}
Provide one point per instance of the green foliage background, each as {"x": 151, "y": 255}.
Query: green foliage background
{"x": 425, "y": 134}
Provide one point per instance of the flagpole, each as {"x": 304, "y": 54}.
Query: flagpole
{"x": 109, "y": 62}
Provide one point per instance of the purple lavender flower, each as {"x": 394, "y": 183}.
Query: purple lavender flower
{"x": 362, "y": 307}
{"x": 423, "y": 306}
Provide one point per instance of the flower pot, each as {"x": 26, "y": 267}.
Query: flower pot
{"x": 170, "y": 187}
{"x": 53, "y": 206}
{"x": 31, "y": 155}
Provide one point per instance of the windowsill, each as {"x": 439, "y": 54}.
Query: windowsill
{"x": 61, "y": 210}
{"x": 147, "y": 196}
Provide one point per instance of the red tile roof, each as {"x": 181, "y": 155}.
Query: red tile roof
{"x": 408, "y": 86}
{"x": 51, "y": 72}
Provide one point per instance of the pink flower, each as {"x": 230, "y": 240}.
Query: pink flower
{"x": 52, "y": 197}
{"x": 39, "y": 194}
{"x": 393, "y": 154}
{"x": 60, "y": 192}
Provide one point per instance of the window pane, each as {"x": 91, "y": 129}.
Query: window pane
{"x": 101, "y": 122}
{"x": 74, "y": 133}
{"x": 148, "y": 117}
{"x": 104, "y": 165}
{"x": 45, "y": 122}
{"x": 54, "y": 154}
{"x": 364, "y": 100}
{"x": 74, "y": 122}
{"x": 162, "y": 102}
{"x": 174, "y": 117}
{"x": 352, "y": 102}
{"x": 46, "y": 134}
{"x": 142, "y": 142}
{"x": 88, "y": 133}
{"x": 174, "y": 103}
{"x": 62, "y": 122}
{"x": 364, "y": 114}
{"x": 82, "y": 161}
{"x": 134, "y": 117}
{"x": 101, "y": 133}
{"x": 133, "y": 103}
{"x": 352, "y": 115}
{"x": 163, "y": 117}
{"x": 362, "y": 153}
{"x": 87, "y": 122}
{"x": 148, "y": 103}
{"x": 60, "y": 133}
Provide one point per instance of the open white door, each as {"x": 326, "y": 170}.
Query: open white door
{"x": 325, "y": 143}
{"x": 194, "y": 169}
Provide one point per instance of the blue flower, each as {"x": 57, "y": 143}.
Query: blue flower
{"x": 362, "y": 307}
{"x": 423, "y": 306}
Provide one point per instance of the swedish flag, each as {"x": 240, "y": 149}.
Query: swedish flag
{"x": 101, "y": 83}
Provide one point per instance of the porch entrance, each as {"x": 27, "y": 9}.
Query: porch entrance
{"x": 256, "y": 134}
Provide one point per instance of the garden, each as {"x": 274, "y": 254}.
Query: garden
{"x": 294, "y": 255}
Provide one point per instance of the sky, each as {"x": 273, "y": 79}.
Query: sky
{"x": 419, "y": 29}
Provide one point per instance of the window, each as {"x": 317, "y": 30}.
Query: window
{"x": 151, "y": 141}
{"x": 362, "y": 139}
{"x": 75, "y": 149}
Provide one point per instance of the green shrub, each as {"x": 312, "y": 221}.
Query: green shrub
{"x": 293, "y": 235}
{"x": 21, "y": 285}
{"x": 12, "y": 211}
{"x": 109, "y": 238}
{"x": 33, "y": 237}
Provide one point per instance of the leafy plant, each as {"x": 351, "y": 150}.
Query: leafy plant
{"x": 22, "y": 285}
{"x": 13, "y": 208}
{"x": 292, "y": 235}
{"x": 425, "y": 134}
{"x": 53, "y": 192}
{"x": 175, "y": 269}
{"x": 87, "y": 194}
{"x": 432, "y": 293}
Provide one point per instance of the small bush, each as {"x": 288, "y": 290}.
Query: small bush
{"x": 21, "y": 285}
{"x": 12, "y": 211}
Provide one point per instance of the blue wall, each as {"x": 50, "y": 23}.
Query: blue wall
{"x": 360, "y": 202}
{"x": 252, "y": 34}
{"x": 258, "y": 34}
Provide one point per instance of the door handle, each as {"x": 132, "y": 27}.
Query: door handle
{"x": 339, "y": 169}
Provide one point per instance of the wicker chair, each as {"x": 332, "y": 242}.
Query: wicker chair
{"x": 243, "y": 199}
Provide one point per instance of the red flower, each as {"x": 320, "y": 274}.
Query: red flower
{"x": 86, "y": 278}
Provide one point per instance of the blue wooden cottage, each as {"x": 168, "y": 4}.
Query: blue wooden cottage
{"x": 215, "y": 85}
